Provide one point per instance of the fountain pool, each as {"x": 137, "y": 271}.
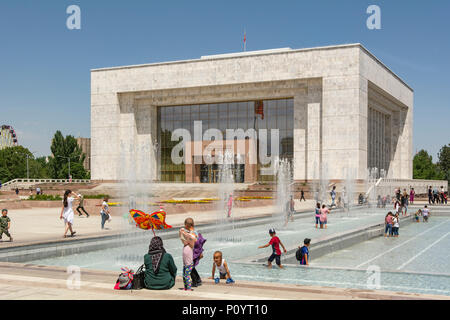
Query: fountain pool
{"x": 426, "y": 245}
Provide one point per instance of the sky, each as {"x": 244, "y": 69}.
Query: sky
{"x": 45, "y": 67}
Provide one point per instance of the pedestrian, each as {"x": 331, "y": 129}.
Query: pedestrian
{"x": 324, "y": 216}
{"x": 404, "y": 202}
{"x": 38, "y": 191}
{"x": 388, "y": 224}
{"x": 384, "y": 201}
{"x": 430, "y": 195}
{"x": 188, "y": 239}
{"x": 17, "y": 191}
{"x": 302, "y": 195}
{"x": 398, "y": 194}
{"x": 412, "y": 194}
{"x": 290, "y": 210}
{"x": 106, "y": 216}
{"x": 67, "y": 212}
{"x": 397, "y": 206}
{"x": 333, "y": 197}
{"x": 395, "y": 225}
{"x": 229, "y": 205}
{"x": 425, "y": 214}
{"x": 317, "y": 214}
{"x": 275, "y": 242}
{"x": 435, "y": 196}
{"x": 81, "y": 206}
{"x": 5, "y": 225}
{"x": 442, "y": 194}
{"x": 304, "y": 252}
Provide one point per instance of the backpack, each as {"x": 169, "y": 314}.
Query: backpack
{"x": 298, "y": 254}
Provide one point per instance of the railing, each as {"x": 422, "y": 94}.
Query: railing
{"x": 28, "y": 182}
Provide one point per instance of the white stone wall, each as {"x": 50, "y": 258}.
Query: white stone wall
{"x": 329, "y": 87}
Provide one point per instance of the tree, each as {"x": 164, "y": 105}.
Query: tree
{"x": 444, "y": 161}
{"x": 62, "y": 149}
{"x": 424, "y": 168}
{"x": 13, "y": 164}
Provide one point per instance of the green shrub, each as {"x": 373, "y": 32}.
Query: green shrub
{"x": 45, "y": 197}
{"x": 96, "y": 196}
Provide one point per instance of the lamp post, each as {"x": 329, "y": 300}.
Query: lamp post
{"x": 69, "y": 162}
{"x": 27, "y": 156}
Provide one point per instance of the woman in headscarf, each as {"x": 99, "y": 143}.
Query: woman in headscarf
{"x": 160, "y": 269}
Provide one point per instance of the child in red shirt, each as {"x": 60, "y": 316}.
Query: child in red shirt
{"x": 276, "y": 252}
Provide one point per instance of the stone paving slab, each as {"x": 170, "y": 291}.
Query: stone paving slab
{"x": 21, "y": 281}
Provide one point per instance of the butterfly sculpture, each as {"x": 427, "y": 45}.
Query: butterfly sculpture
{"x": 156, "y": 220}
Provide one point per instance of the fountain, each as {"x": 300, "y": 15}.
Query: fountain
{"x": 283, "y": 170}
{"x": 224, "y": 215}
{"x": 348, "y": 191}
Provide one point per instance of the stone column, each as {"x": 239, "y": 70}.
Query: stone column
{"x": 344, "y": 123}
{"x": 146, "y": 141}
{"x": 104, "y": 119}
{"x": 300, "y": 135}
{"x": 314, "y": 128}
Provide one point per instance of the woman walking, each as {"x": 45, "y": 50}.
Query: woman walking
{"x": 67, "y": 212}
{"x": 412, "y": 193}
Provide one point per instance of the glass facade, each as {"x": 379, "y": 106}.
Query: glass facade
{"x": 270, "y": 114}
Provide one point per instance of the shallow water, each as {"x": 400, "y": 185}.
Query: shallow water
{"x": 392, "y": 253}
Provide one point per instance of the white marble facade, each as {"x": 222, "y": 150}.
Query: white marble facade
{"x": 336, "y": 92}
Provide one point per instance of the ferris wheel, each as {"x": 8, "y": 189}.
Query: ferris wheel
{"x": 8, "y": 137}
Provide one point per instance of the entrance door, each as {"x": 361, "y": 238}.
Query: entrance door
{"x": 209, "y": 173}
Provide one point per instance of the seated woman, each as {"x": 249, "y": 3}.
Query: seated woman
{"x": 160, "y": 269}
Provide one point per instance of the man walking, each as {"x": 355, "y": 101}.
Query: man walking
{"x": 81, "y": 206}
{"x": 430, "y": 195}
{"x": 302, "y": 195}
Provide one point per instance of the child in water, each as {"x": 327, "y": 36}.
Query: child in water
{"x": 417, "y": 214}
{"x": 275, "y": 242}
{"x": 222, "y": 266}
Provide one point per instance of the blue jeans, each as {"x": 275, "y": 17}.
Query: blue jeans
{"x": 395, "y": 231}
{"x": 388, "y": 229}
{"x": 104, "y": 218}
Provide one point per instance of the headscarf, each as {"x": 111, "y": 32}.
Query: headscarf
{"x": 156, "y": 250}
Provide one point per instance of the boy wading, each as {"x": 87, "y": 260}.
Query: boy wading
{"x": 276, "y": 252}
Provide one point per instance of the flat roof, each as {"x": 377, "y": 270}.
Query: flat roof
{"x": 245, "y": 54}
